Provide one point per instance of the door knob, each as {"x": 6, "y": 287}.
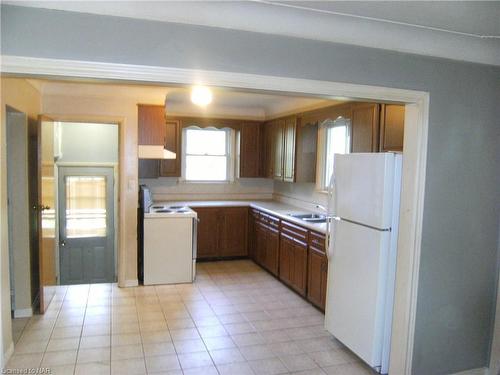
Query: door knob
{"x": 62, "y": 243}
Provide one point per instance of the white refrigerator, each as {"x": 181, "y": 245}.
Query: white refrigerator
{"x": 364, "y": 196}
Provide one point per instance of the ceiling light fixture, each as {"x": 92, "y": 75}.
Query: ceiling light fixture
{"x": 201, "y": 95}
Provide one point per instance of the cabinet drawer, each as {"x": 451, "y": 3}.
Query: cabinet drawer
{"x": 255, "y": 213}
{"x": 294, "y": 231}
{"x": 317, "y": 240}
{"x": 269, "y": 220}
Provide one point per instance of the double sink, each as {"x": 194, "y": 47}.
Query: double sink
{"x": 310, "y": 218}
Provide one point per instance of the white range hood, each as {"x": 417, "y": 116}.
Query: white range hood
{"x": 155, "y": 152}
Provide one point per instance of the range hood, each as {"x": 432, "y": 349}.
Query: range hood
{"x": 155, "y": 152}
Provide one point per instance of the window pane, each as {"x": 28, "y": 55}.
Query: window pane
{"x": 337, "y": 142}
{"x": 85, "y": 206}
{"x": 205, "y": 142}
{"x": 206, "y": 168}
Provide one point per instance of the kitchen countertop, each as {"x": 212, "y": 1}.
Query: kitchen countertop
{"x": 279, "y": 209}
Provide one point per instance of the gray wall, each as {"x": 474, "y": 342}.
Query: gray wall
{"x": 456, "y": 294}
{"x": 89, "y": 143}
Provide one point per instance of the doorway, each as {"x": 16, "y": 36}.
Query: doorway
{"x": 86, "y": 225}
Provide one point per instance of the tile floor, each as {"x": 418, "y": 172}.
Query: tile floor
{"x": 235, "y": 319}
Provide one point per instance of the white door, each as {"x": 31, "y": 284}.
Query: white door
{"x": 363, "y": 188}
{"x": 357, "y": 277}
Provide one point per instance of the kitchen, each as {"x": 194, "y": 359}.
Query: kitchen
{"x": 283, "y": 233}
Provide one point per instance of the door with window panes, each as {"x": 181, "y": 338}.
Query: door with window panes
{"x": 86, "y": 225}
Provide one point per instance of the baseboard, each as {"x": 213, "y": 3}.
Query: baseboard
{"x": 23, "y": 313}
{"x": 6, "y": 356}
{"x": 130, "y": 283}
{"x": 476, "y": 371}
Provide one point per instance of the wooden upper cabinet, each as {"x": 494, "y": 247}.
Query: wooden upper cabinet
{"x": 306, "y": 150}
{"x": 392, "y": 118}
{"x": 365, "y": 127}
{"x": 278, "y": 148}
{"x": 151, "y": 122}
{"x": 250, "y": 148}
{"x": 290, "y": 129}
{"x": 172, "y": 167}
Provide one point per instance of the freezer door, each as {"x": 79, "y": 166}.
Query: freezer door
{"x": 356, "y": 292}
{"x": 363, "y": 188}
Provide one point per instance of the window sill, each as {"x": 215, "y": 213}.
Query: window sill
{"x": 196, "y": 182}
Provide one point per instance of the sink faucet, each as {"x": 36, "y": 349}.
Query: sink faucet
{"x": 321, "y": 207}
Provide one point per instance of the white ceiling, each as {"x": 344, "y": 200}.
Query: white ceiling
{"x": 226, "y": 103}
{"x": 461, "y": 30}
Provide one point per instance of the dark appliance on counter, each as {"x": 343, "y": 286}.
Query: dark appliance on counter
{"x": 145, "y": 201}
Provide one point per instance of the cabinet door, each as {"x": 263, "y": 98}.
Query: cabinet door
{"x": 250, "y": 150}
{"x": 365, "y": 125}
{"x": 233, "y": 231}
{"x": 286, "y": 259}
{"x": 268, "y": 149}
{"x": 306, "y": 151}
{"x": 290, "y": 129}
{"x": 261, "y": 244}
{"x": 272, "y": 250}
{"x": 151, "y": 124}
{"x": 253, "y": 218}
{"x": 149, "y": 168}
{"x": 172, "y": 167}
{"x": 315, "y": 293}
{"x": 208, "y": 229}
{"x": 299, "y": 271}
{"x": 392, "y": 119}
{"x": 278, "y": 148}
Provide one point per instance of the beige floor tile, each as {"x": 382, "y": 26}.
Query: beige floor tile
{"x": 135, "y": 366}
{"x": 206, "y": 370}
{"x": 26, "y": 346}
{"x": 156, "y": 336}
{"x": 161, "y": 348}
{"x": 348, "y": 369}
{"x": 189, "y": 346}
{"x": 96, "y": 368}
{"x": 298, "y": 362}
{"x": 222, "y": 342}
{"x": 254, "y": 352}
{"x": 236, "y": 368}
{"x": 95, "y": 341}
{"x": 65, "y": 357}
{"x": 93, "y": 355}
{"x": 66, "y": 332}
{"x": 180, "y": 323}
{"x": 20, "y": 361}
{"x": 225, "y": 356}
{"x": 212, "y": 331}
{"x": 162, "y": 363}
{"x": 184, "y": 334}
{"x": 62, "y": 370}
{"x": 314, "y": 371}
{"x": 96, "y": 330}
{"x": 330, "y": 357}
{"x": 269, "y": 366}
{"x": 63, "y": 344}
{"x": 126, "y": 352}
{"x": 248, "y": 339}
{"x": 191, "y": 360}
{"x": 125, "y": 339}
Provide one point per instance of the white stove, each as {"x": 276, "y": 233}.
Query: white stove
{"x": 169, "y": 244}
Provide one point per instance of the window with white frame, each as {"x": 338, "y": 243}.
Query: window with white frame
{"x": 208, "y": 154}
{"x": 336, "y": 136}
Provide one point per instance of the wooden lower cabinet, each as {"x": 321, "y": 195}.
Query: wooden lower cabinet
{"x": 272, "y": 250}
{"x": 293, "y": 263}
{"x": 267, "y": 247}
{"x": 317, "y": 270}
{"x": 233, "y": 231}
{"x": 253, "y": 219}
{"x": 207, "y": 241}
{"x": 222, "y": 232}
